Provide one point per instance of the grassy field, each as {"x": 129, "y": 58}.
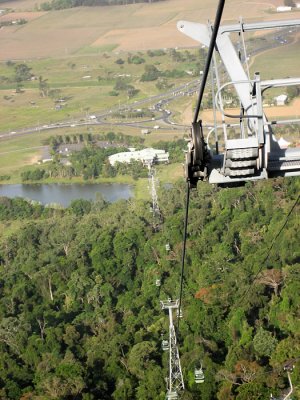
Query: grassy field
{"x": 29, "y": 109}
{"x": 134, "y": 27}
{"x": 21, "y": 152}
{"x": 86, "y": 82}
{"x": 76, "y": 51}
{"x": 279, "y": 63}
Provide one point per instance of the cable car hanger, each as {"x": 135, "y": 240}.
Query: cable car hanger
{"x": 260, "y": 145}
{"x": 197, "y": 156}
{"x": 255, "y": 154}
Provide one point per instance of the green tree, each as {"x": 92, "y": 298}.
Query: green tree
{"x": 22, "y": 73}
{"x": 151, "y": 73}
{"x": 141, "y": 358}
{"x": 264, "y": 342}
{"x": 80, "y": 207}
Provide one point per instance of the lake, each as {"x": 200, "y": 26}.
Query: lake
{"x": 64, "y": 194}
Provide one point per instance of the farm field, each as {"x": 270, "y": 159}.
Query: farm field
{"x": 87, "y": 84}
{"x": 134, "y": 27}
{"x": 283, "y": 62}
{"x": 87, "y": 52}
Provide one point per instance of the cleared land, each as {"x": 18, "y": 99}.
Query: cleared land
{"x": 27, "y": 15}
{"x": 84, "y": 82}
{"x": 134, "y": 27}
{"x": 283, "y": 62}
{"x": 76, "y": 51}
{"x": 18, "y": 152}
{"x": 289, "y": 111}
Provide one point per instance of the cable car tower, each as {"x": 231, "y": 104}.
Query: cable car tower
{"x": 252, "y": 152}
{"x": 289, "y": 369}
{"x": 175, "y": 381}
{"x": 152, "y": 186}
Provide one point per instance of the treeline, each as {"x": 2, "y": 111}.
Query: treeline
{"x": 79, "y": 306}
{"x": 152, "y": 73}
{"x": 175, "y": 149}
{"x": 16, "y": 209}
{"x": 62, "y": 4}
{"x": 89, "y": 163}
{"x": 92, "y": 162}
{"x": 92, "y": 139}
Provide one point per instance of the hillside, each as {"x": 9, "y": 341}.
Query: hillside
{"x": 79, "y": 307}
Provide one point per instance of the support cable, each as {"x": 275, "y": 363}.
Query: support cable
{"x": 214, "y": 105}
{"x": 184, "y": 248}
{"x": 209, "y": 57}
{"x": 269, "y": 250}
{"x": 244, "y": 47}
{"x": 199, "y": 101}
{"x": 220, "y": 100}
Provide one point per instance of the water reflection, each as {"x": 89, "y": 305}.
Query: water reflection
{"x": 64, "y": 194}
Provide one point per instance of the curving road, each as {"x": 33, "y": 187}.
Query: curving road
{"x": 158, "y": 103}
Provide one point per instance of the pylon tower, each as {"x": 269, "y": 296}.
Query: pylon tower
{"x": 155, "y": 207}
{"x": 175, "y": 381}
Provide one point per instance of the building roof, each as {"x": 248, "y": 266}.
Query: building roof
{"x": 145, "y": 156}
{"x": 284, "y": 8}
{"x": 281, "y": 97}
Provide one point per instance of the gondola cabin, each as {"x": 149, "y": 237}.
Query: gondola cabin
{"x": 165, "y": 345}
{"x": 199, "y": 375}
{"x": 172, "y": 396}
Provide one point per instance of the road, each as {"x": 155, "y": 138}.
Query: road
{"x": 156, "y": 103}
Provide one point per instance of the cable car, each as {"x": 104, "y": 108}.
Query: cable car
{"x": 179, "y": 313}
{"x": 168, "y": 247}
{"x": 250, "y": 149}
{"x": 158, "y": 282}
{"x": 171, "y": 396}
{"x": 199, "y": 375}
{"x": 165, "y": 345}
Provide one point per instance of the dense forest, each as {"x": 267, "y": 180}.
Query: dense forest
{"x": 79, "y": 309}
{"x": 61, "y": 4}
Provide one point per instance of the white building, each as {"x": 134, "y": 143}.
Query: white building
{"x": 281, "y": 100}
{"x": 146, "y": 156}
{"x": 283, "y": 8}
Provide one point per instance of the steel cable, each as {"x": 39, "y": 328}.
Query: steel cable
{"x": 269, "y": 251}
{"x": 183, "y": 249}
{"x": 211, "y": 48}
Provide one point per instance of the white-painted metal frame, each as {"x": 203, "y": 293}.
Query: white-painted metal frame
{"x": 175, "y": 380}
